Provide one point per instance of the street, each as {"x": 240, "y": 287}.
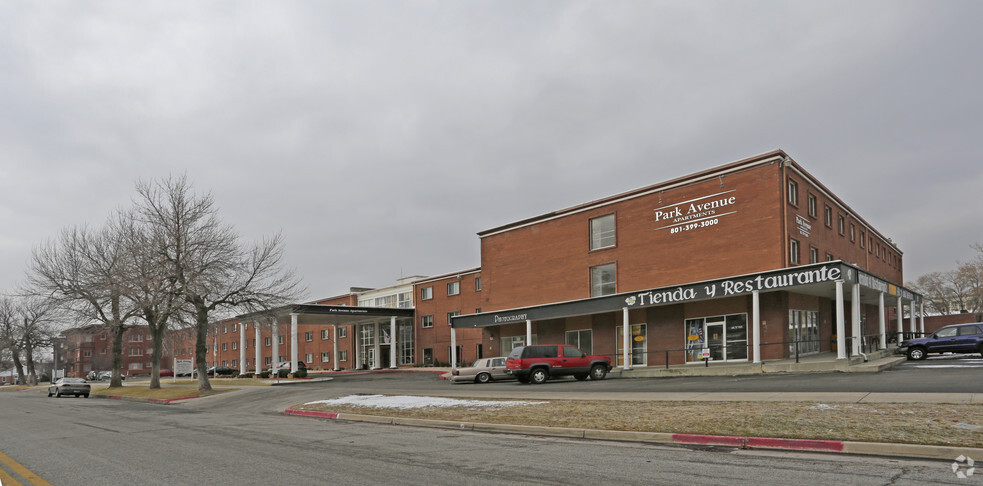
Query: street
{"x": 240, "y": 437}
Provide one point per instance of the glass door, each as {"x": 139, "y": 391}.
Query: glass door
{"x": 639, "y": 346}
{"x": 715, "y": 338}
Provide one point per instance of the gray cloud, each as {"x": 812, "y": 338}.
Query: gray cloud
{"x": 380, "y": 137}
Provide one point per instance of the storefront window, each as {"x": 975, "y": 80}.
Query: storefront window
{"x": 724, "y": 336}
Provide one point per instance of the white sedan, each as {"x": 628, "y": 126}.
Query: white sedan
{"x": 482, "y": 371}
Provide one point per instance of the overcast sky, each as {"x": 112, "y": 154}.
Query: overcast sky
{"x": 379, "y": 137}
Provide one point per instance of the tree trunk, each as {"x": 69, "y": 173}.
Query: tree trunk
{"x": 156, "y": 335}
{"x": 117, "y": 381}
{"x": 32, "y": 375}
{"x": 201, "y": 344}
{"x": 17, "y": 364}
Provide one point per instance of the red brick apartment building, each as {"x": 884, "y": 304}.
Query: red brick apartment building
{"x": 90, "y": 348}
{"x": 752, "y": 260}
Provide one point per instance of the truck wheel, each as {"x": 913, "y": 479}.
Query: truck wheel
{"x": 539, "y": 376}
{"x": 598, "y": 372}
{"x": 482, "y": 378}
{"x": 581, "y": 376}
{"x": 916, "y": 353}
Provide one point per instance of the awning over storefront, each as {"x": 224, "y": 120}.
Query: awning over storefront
{"x": 816, "y": 279}
{"x": 328, "y": 314}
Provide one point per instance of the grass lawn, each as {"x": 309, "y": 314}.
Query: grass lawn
{"x": 143, "y": 391}
{"x": 930, "y": 424}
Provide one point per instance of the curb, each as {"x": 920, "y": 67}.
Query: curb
{"x": 770, "y": 443}
{"x": 160, "y": 401}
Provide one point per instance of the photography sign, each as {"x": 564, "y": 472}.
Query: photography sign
{"x": 696, "y": 213}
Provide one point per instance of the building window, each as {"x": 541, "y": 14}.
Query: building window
{"x": 477, "y": 310}
{"x": 602, "y": 232}
{"x": 863, "y": 238}
{"x": 426, "y": 293}
{"x": 428, "y": 356}
{"x": 828, "y": 216}
{"x": 309, "y": 336}
{"x": 870, "y": 245}
{"x": 841, "y": 224}
{"x": 279, "y": 339}
{"x": 452, "y": 314}
{"x": 325, "y": 357}
{"x": 87, "y": 353}
{"x": 829, "y": 257}
{"x": 342, "y": 355}
{"x": 405, "y": 300}
{"x": 102, "y": 337}
{"x": 581, "y": 339}
{"x": 136, "y": 338}
{"x": 136, "y": 352}
{"x": 426, "y": 321}
{"x": 235, "y": 362}
{"x": 342, "y": 332}
{"x": 325, "y": 334}
{"x": 813, "y": 255}
{"x": 225, "y": 346}
{"x": 603, "y": 280}
{"x": 812, "y": 205}
{"x": 267, "y": 341}
{"x": 477, "y": 284}
{"x": 268, "y": 360}
{"x": 235, "y": 328}
{"x": 225, "y": 329}
{"x": 135, "y": 366}
{"x": 793, "y": 193}
{"x": 794, "y": 251}
{"x": 309, "y": 358}
{"x": 102, "y": 351}
{"x": 853, "y": 233}
{"x": 454, "y": 288}
{"x": 235, "y": 345}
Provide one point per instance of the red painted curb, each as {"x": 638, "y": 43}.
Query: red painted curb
{"x": 310, "y": 413}
{"x": 760, "y": 442}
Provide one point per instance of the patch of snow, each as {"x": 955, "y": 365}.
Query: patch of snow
{"x": 968, "y": 426}
{"x": 823, "y": 406}
{"x": 410, "y": 402}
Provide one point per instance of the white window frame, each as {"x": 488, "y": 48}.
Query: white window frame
{"x": 598, "y": 288}
{"x": 426, "y": 293}
{"x": 454, "y": 288}
{"x": 426, "y": 322}
{"x": 600, "y": 237}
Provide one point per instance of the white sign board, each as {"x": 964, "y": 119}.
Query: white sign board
{"x": 705, "y": 354}
{"x": 183, "y": 367}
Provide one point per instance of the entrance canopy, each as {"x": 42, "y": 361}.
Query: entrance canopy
{"x": 816, "y": 279}
{"x": 329, "y": 314}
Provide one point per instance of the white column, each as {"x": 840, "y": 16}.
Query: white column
{"x": 275, "y": 343}
{"x": 376, "y": 350}
{"x": 453, "y": 348}
{"x": 626, "y": 338}
{"x": 392, "y": 342}
{"x": 242, "y": 348}
{"x": 900, "y": 321}
{"x": 840, "y": 324}
{"x": 334, "y": 346}
{"x": 259, "y": 348}
{"x": 855, "y": 317}
{"x": 911, "y": 305}
{"x": 921, "y": 317}
{"x": 881, "y": 323}
{"x": 293, "y": 343}
{"x": 528, "y": 332}
{"x": 756, "y": 325}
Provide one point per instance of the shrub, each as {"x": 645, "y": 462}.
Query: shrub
{"x": 301, "y": 373}
{"x": 264, "y": 374}
{"x": 246, "y": 375}
{"x": 283, "y": 373}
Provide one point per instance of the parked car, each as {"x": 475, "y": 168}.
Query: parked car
{"x": 539, "y": 362}
{"x": 285, "y": 365}
{"x": 482, "y": 371}
{"x": 69, "y": 386}
{"x": 222, "y": 370}
{"x": 957, "y": 338}
{"x": 166, "y": 373}
{"x": 108, "y": 375}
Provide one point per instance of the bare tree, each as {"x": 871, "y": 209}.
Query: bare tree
{"x": 210, "y": 267}
{"x": 36, "y": 320}
{"x": 86, "y": 272}
{"x": 10, "y": 336}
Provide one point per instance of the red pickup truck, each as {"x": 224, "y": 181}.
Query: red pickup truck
{"x": 539, "y": 362}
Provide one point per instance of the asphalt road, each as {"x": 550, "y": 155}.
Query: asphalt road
{"x": 242, "y": 438}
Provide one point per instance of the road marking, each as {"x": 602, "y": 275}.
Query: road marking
{"x": 21, "y": 471}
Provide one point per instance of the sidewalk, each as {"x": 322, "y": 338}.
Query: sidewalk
{"x": 816, "y": 363}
